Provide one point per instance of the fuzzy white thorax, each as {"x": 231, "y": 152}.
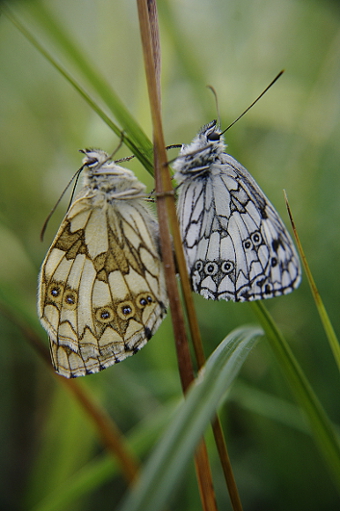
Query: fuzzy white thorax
{"x": 102, "y": 174}
{"x": 204, "y": 150}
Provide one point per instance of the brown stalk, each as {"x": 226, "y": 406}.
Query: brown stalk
{"x": 166, "y": 210}
{"x": 110, "y": 435}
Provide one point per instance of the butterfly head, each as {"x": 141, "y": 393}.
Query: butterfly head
{"x": 103, "y": 174}
{"x": 203, "y": 151}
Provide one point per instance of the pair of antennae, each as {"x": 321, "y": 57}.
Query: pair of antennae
{"x": 76, "y": 178}
{"x": 218, "y": 135}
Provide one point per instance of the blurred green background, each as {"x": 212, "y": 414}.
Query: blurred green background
{"x": 290, "y": 140}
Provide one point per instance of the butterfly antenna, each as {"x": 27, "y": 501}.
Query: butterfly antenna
{"x": 117, "y": 148}
{"x": 76, "y": 175}
{"x": 213, "y": 90}
{"x": 127, "y": 158}
{"x": 173, "y": 146}
{"x": 255, "y": 101}
{"x": 121, "y": 160}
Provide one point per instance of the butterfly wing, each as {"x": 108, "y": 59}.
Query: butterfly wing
{"x": 102, "y": 292}
{"x": 236, "y": 245}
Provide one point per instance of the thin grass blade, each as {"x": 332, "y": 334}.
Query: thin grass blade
{"x": 328, "y": 327}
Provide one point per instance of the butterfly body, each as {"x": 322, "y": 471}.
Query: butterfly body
{"x": 236, "y": 245}
{"x": 101, "y": 287}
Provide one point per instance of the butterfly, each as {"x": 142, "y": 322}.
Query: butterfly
{"x": 236, "y": 246}
{"x": 101, "y": 286}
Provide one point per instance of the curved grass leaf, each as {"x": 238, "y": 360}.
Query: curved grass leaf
{"x": 172, "y": 454}
{"x": 134, "y": 136}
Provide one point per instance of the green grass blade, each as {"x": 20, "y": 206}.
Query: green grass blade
{"x": 168, "y": 461}
{"x": 136, "y": 139}
{"x": 328, "y": 327}
{"x": 323, "y": 432}
{"x": 29, "y": 35}
{"x": 76, "y": 56}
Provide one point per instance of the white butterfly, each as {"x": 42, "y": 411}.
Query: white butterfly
{"x": 101, "y": 286}
{"x": 236, "y": 245}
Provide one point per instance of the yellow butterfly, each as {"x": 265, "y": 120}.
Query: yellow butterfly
{"x": 101, "y": 286}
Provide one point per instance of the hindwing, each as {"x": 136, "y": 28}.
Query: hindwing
{"x": 236, "y": 246}
{"x": 102, "y": 292}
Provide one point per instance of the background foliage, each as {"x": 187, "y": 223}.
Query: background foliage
{"x": 289, "y": 140}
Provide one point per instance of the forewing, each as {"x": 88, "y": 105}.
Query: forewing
{"x": 236, "y": 245}
{"x": 102, "y": 293}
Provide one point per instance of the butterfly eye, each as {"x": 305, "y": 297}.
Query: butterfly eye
{"x": 213, "y": 136}
{"x": 92, "y": 162}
